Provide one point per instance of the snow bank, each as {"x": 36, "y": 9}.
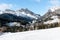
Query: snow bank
{"x": 46, "y": 34}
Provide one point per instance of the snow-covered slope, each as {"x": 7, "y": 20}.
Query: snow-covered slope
{"x": 27, "y": 13}
{"x": 23, "y": 14}
{"x": 55, "y": 20}
{"x": 46, "y": 34}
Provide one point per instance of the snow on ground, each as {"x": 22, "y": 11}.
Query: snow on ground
{"x": 45, "y": 34}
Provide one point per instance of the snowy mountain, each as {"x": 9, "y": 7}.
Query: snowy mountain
{"x": 46, "y": 34}
{"x": 24, "y": 16}
{"x": 22, "y": 13}
{"x": 54, "y": 8}
{"x": 6, "y": 17}
{"x": 27, "y": 13}
{"x": 50, "y": 14}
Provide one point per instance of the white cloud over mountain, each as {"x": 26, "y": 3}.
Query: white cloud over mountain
{"x": 54, "y": 4}
{"x": 4, "y": 6}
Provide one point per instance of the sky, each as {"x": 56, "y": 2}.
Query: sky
{"x": 36, "y": 6}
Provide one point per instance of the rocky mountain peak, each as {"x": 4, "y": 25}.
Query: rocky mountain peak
{"x": 54, "y": 8}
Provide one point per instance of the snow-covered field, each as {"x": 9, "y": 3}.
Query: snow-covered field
{"x": 45, "y": 34}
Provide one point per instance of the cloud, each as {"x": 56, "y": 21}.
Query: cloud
{"x": 55, "y": 2}
{"x": 37, "y": 0}
{"x": 4, "y": 6}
